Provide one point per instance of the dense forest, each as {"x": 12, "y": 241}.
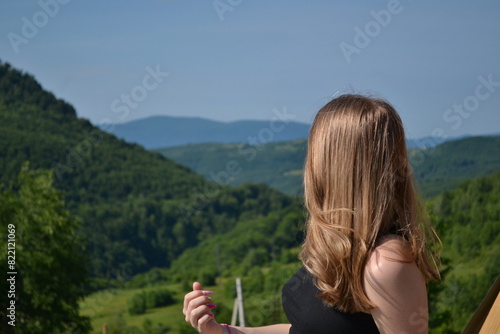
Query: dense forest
{"x": 280, "y": 164}
{"x": 468, "y": 221}
{"x": 132, "y": 224}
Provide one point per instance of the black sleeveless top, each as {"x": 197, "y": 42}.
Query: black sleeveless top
{"x": 308, "y": 315}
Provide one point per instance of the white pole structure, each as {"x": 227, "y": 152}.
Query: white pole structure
{"x": 239, "y": 297}
{"x": 235, "y": 312}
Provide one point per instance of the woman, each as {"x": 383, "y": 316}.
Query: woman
{"x": 366, "y": 254}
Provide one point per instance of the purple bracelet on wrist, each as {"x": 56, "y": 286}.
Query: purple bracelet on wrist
{"x": 228, "y": 328}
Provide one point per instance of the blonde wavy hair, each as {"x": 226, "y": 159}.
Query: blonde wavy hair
{"x": 358, "y": 188}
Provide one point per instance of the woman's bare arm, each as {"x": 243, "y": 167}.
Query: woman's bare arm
{"x": 397, "y": 289}
{"x": 273, "y": 329}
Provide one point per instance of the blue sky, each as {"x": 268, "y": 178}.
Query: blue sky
{"x": 436, "y": 61}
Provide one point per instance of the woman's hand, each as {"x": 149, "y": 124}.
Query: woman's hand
{"x": 198, "y": 311}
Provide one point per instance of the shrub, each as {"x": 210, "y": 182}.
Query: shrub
{"x": 137, "y": 304}
{"x": 158, "y": 298}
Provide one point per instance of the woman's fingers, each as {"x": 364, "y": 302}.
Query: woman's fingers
{"x": 198, "y": 302}
{"x": 190, "y": 296}
{"x": 196, "y": 295}
{"x": 197, "y": 306}
{"x": 198, "y": 309}
{"x": 199, "y": 315}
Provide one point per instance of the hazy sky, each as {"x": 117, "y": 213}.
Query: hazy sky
{"x": 436, "y": 61}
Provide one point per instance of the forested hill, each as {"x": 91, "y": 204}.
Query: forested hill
{"x": 89, "y": 164}
{"x": 468, "y": 222}
{"x": 280, "y": 164}
{"x": 139, "y": 209}
{"x": 276, "y": 164}
{"x": 452, "y": 163}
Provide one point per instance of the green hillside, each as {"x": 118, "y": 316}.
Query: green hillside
{"x": 451, "y": 163}
{"x": 139, "y": 210}
{"x": 468, "y": 221}
{"x": 280, "y": 164}
{"x": 276, "y": 164}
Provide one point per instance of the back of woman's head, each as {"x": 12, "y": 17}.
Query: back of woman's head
{"x": 358, "y": 187}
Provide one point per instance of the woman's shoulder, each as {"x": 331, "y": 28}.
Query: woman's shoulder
{"x": 396, "y": 286}
{"x": 390, "y": 262}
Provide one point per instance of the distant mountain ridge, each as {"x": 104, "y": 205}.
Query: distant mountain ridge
{"x": 157, "y": 132}
{"x": 167, "y": 131}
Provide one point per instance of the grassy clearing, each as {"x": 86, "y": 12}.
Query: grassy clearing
{"x": 110, "y": 307}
